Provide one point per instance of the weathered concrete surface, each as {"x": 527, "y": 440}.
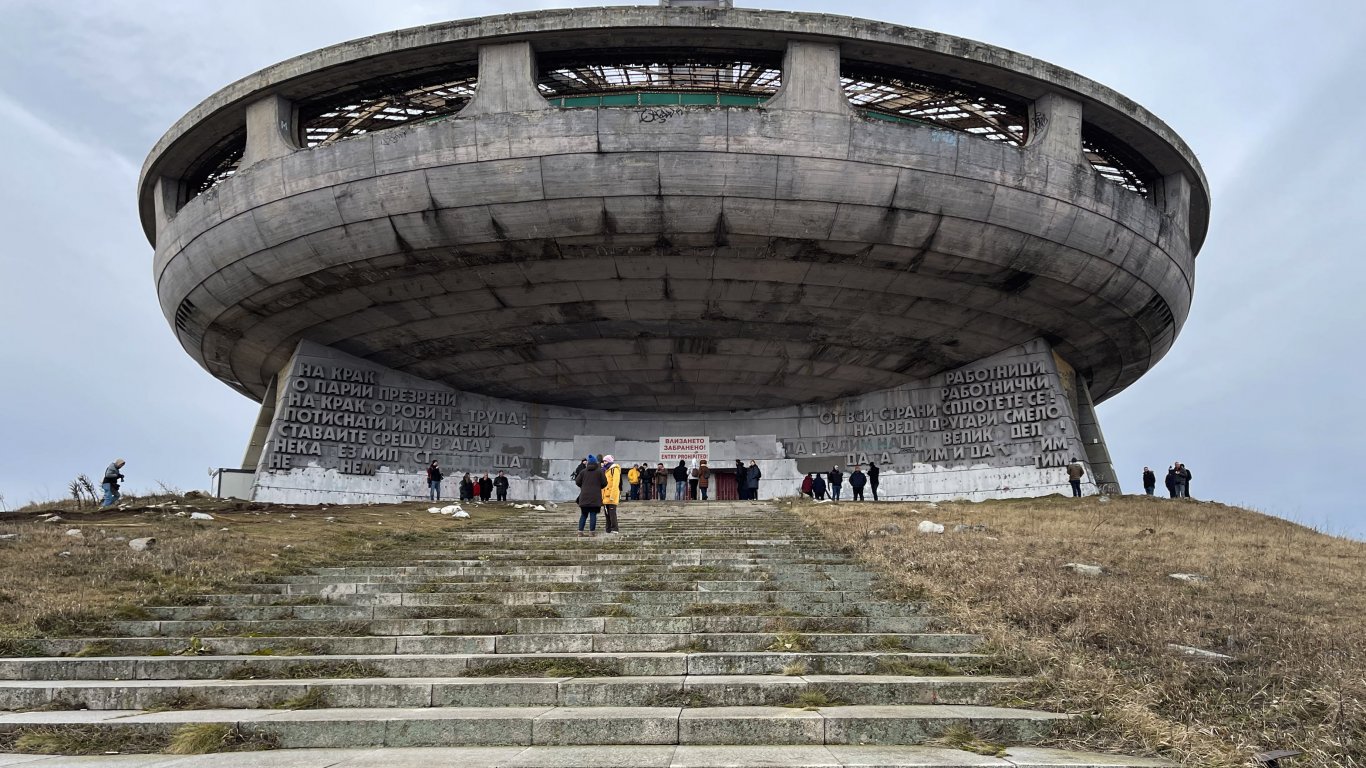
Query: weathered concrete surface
{"x": 821, "y": 255}
{"x": 347, "y": 430}
{"x": 714, "y": 257}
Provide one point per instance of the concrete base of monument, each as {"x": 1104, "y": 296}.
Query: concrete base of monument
{"x": 344, "y": 430}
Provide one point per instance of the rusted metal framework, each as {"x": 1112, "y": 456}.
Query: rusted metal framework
{"x": 387, "y": 108}
{"x": 914, "y": 97}
{"x": 216, "y": 165}
{"x": 735, "y": 80}
{"x": 1114, "y": 161}
{"x": 660, "y": 71}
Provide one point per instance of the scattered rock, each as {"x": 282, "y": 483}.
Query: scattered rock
{"x": 886, "y": 530}
{"x": 1192, "y": 578}
{"x": 1081, "y": 569}
{"x": 1199, "y": 653}
{"x": 1104, "y": 499}
{"x": 965, "y": 528}
{"x": 928, "y": 526}
{"x": 200, "y": 516}
{"x": 539, "y": 508}
{"x": 9, "y": 536}
{"x": 450, "y": 509}
{"x": 461, "y": 513}
{"x": 54, "y": 519}
{"x": 293, "y": 517}
{"x": 932, "y": 505}
{"x": 75, "y": 532}
{"x": 195, "y": 495}
{"x": 182, "y": 514}
{"x": 330, "y": 519}
{"x": 143, "y": 544}
{"x": 63, "y": 554}
{"x": 119, "y": 538}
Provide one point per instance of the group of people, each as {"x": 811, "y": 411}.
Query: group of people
{"x": 482, "y": 488}
{"x": 646, "y": 483}
{"x": 599, "y": 490}
{"x": 1178, "y": 481}
{"x": 817, "y": 484}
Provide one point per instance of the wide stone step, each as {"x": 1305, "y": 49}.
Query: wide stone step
{"x": 625, "y": 691}
{"x": 456, "y": 665}
{"x": 542, "y": 643}
{"x": 631, "y": 625}
{"x": 664, "y": 756}
{"x": 462, "y": 726}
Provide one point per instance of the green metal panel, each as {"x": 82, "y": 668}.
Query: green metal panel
{"x": 697, "y": 98}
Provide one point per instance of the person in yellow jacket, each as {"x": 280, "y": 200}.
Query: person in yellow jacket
{"x": 611, "y": 493}
{"x": 633, "y": 477}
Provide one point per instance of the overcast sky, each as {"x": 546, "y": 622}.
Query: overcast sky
{"x": 1261, "y": 396}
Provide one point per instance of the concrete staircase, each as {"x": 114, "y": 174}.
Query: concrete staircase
{"x": 705, "y": 635}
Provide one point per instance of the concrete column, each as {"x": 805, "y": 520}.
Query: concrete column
{"x": 507, "y": 81}
{"x": 1097, "y": 452}
{"x": 270, "y": 130}
{"x": 1055, "y": 127}
{"x": 1173, "y": 195}
{"x": 165, "y": 200}
{"x": 811, "y": 79}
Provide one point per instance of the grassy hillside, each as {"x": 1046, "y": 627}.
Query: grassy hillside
{"x": 1287, "y": 604}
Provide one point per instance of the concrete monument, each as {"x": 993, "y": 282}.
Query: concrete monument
{"x": 802, "y": 239}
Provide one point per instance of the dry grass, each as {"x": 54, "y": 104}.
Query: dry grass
{"x": 1284, "y": 601}
{"x": 101, "y": 579}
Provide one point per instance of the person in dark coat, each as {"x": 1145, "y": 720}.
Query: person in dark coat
{"x": 466, "y": 488}
{"x": 836, "y": 478}
{"x": 485, "y": 487}
{"x": 434, "y": 481}
{"x": 1149, "y": 481}
{"x": 577, "y": 470}
{"x": 648, "y": 481}
{"x": 857, "y": 480}
{"x": 500, "y": 484}
{"x": 1170, "y": 481}
{"x": 680, "y": 480}
{"x": 661, "y": 482}
{"x": 873, "y": 472}
{"x": 741, "y": 480}
{"x": 591, "y": 481}
{"x": 818, "y": 487}
{"x": 1183, "y": 477}
{"x": 806, "y": 485}
{"x": 754, "y": 475}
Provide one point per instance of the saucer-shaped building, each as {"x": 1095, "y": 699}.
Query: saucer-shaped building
{"x": 812, "y": 240}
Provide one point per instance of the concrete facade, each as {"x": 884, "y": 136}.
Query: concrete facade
{"x": 344, "y": 430}
{"x": 672, "y": 264}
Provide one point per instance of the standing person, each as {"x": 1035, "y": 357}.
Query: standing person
{"x": 591, "y": 481}
{"x": 466, "y": 488}
{"x": 578, "y": 470}
{"x": 873, "y": 472}
{"x": 754, "y": 476}
{"x": 1149, "y": 481}
{"x": 806, "y": 485}
{"x": 633, "y": 477}
{"x": 647, "y": 481}
{"x": 110, "y": 484}
{"x": 611, "y": 491}
{"x": 680, "y": 480}
{"x": 1183, "y": 476}
{"x": 703, "y": 478}
{"x": 836, "y": 478}
{"x": 692, "y": 485}
{"x": 857, "y": 480}
{"x": 485, "y": 487}
{"x": 661, "y": 482}
{"x": 1170, "y": 481}
{"x": 434, "y": 481}
{"x": 741, "y": 480}
{"x": 1075, "y": 472}
{"x": 818, "y": 487}
{"x": 500, "y": 484}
